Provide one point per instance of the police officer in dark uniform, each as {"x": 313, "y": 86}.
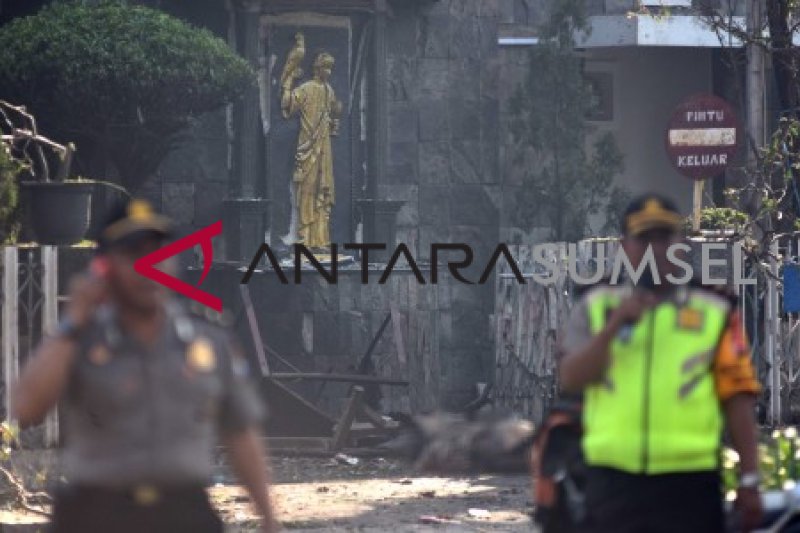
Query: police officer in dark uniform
{"x": 145, "y": 388}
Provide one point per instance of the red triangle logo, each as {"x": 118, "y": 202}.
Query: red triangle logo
{"x": 145, "y": 265}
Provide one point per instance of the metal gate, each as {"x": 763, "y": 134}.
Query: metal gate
{"x": 29, "y": 293}
{"x": 528, "y": 318}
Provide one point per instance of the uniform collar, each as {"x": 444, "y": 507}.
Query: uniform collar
{"x": 180, "y": 321}
{"x": 678, "y": 294}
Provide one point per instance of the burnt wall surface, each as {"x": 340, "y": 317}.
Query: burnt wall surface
{"x": 449, "y": 155}
{"x": 442, "y": 160}
{"x": 446, "y": 157}
{"x": 319, "y": 326}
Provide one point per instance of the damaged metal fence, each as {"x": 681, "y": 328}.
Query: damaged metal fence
{"x": 528, "y": 318}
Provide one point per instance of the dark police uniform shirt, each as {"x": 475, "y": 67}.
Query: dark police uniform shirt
{"x": 138, "y": 415}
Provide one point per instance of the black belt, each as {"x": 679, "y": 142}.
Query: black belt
{"x": 141, "y": 494}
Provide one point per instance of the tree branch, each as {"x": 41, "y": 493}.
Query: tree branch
{"x": 23, "y": 496}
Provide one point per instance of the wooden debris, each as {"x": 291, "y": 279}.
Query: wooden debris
{"x": 342, "y": 432}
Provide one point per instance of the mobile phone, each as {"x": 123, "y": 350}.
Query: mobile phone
{"x": 99, "y": 267}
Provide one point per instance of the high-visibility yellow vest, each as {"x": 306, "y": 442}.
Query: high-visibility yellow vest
{"x": 656, "y": 410}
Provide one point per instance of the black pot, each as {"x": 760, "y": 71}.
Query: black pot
{"x": 58, "y": 211}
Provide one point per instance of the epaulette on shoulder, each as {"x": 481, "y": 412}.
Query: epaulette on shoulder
{"x": 208, "y": 316}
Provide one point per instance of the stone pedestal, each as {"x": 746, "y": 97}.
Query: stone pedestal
{"x": 244, "y": 226}
{"x": 380, "y": 224}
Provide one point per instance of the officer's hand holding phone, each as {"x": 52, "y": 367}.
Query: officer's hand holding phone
{"x": 87, "y": 292}
{"x": 633, "y": 307}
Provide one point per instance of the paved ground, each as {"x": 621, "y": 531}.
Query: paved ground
{"x": 374, "y": 495}
{"x": 378, "y": 495}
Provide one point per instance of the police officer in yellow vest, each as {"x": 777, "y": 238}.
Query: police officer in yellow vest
{"x": 663, "y": 368}
{"x": 145, "y": 388}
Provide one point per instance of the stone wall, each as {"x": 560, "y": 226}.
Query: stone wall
{"x": 444, "y": 68}
{"x": 447, "y": 158}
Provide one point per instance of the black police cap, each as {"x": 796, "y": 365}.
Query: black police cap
{"x": 651, "y": 211}
{"x": 128, "y": 221}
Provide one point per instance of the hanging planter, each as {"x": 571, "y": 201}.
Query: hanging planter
{"x": 59, "y": 210}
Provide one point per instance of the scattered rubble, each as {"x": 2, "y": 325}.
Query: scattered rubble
{"x": 429, "y": 519}
{"x": 479, "y": 513}
{"x": 346, "y": 459}
{"x": 379, "y": 496}
{"x": 452, "y": 443}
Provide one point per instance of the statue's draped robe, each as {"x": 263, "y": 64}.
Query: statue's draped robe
{"x": 314, "y": 100}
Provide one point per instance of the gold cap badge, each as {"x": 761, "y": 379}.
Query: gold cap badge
{"x": 140, "y": 210}
{"x": 146, "y": 495}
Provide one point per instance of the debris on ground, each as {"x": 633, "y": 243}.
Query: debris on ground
{"x": 429, "y": 519}
{"x": 374, "y": 496}
{"x": 479, "y": 513}
{"x": 453, "y": 443}
{"x": 346, "y": 459}
{"x": 378, "y": 496}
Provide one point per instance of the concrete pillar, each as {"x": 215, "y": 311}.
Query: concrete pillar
{"x": 246, "y": 212}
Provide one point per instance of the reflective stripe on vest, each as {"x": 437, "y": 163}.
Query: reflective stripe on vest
{"x": 657, "y": 410}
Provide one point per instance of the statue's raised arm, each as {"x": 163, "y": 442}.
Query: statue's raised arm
{"x": 292, "y": 71}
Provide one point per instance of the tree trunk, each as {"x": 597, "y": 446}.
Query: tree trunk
{"x": 784, "y": 54}
{"x": 784, "y": 64}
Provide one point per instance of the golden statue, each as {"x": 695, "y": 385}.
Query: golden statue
{"x": 319, "y": 112}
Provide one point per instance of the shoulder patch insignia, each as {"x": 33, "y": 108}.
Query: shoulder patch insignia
{"x": 689, "y": 318}
{"x": 209, "y": 316}
{"x": 99, "y": 354}
{"x": 200, "y": 355}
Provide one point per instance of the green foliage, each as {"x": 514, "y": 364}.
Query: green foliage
{"x": 565, "y": 183}
{"x": 771, "y": 196}
{"x": 721, "y": 218}
{"x": 9, "y": 436}
{"x": 778, "y": 457}
{"x": 9, "y": 193}
{"x": 118, "y": 78}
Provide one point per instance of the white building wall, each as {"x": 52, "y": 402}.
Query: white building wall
{"x": 648, "y": 82}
